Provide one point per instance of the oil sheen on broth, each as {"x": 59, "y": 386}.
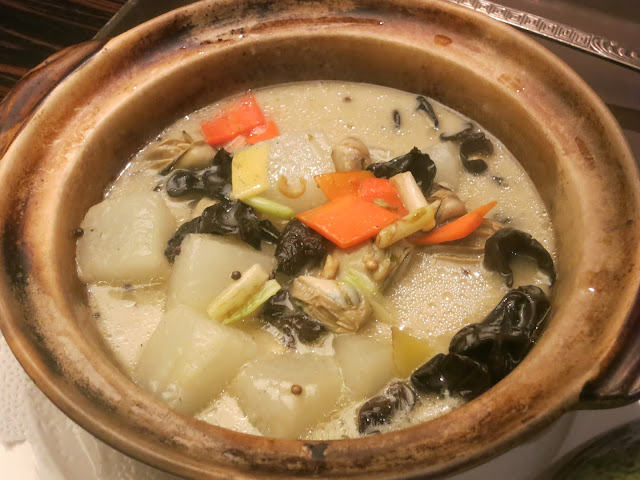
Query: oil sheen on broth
{"x": 437, "y": 293}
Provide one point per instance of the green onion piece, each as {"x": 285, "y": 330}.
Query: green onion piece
{"x": 409, "y": 191}
{"x": 266, "y": 292}
{"x": 423, "y": 217}
{"x": 382, "y": 307}
{"x": 381, "y": 203}
{"x": 238, "y": 293}
{"x": 269, "y": 207}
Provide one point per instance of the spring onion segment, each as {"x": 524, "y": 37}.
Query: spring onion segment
{"x": 267, "y": 291}
{"x": 236, "y": 295}
{"x": 409, "y": 191}
{"x": 422, "y": 218}
{"x": 269, "y": 207}
{"x": 381, "y": 306}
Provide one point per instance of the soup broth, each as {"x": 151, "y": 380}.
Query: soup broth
{"x": 162, "y": 319}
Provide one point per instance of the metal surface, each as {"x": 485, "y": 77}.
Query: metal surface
{"x": 558, "y": 32}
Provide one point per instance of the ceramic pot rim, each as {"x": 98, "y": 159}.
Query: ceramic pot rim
{"x": 379, "y": 456}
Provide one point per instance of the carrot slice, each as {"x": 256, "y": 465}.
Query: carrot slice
{"x": 339, "y": 184}
{"x": 457, "y": 229}
{"x": 347, "y": 220}
{"x": 263, "y": 132}
{"x": 380, "y": 190}
{"x": 236, "y": 144}
{"x": 238, "y": 118}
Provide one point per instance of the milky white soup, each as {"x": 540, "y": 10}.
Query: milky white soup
{"x": 247, "y": 375}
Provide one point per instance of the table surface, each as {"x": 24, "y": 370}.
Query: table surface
{"x": 32, "y": 30}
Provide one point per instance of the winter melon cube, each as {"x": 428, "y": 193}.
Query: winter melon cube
{"x": 367, "y": 364}
{"x": 285, "y": 395}
{"x": 124, "y": 240}
{"x": 296, "y": 158}
{"x": 249, "y": 171}
{"x": 446, "y": 156}
{"x": 190, "y": 358}
{"x": 203, "y": 268}
{"x": 410, "y": 351}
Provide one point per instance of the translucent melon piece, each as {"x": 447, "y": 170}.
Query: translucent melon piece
{"x": 203, "y": 268}
{"x": 410, "y": 351}
{"x": 446, "y": 156}
{"x": 367, "y": 364}
{"x": 190, "y": 358}
{"x": 296, "y": 156}
{"x": 124, "y": 240}
{"x": 263, "y": 389}
{"x": 249, "y": 171}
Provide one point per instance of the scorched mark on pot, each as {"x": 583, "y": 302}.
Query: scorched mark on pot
{"x": 317, "y": 450}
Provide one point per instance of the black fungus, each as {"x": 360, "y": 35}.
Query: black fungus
{"x": 291, "y": 320}
{"x": 214, "y": 182}
{"x": 227, "y": 217}
{"x": 221, "y": 218}
{"x": 461, "y": 135}
{"x": 501, "y": 247}
{"x": 270, "y": 233}
{"x": 419, "y": 164}
{"x": 425, "y": 106}
{"x": 249, "y": 229}
{"x": 454, "y": 373}
{"x": 173, "y": 245}
{"x": 475, "y": 144}
{"x": 499, "y": 180}
{"x": 223, "y": 160}
{"x": 397, "y": 121}
{"x": 471, "y": 144}
{"x": 298, "y": 245}
{"x": 500, "y": 347}
{"x": 475, "y": 166}
{"x": 505, "y": 336}
{"x": 183, "y": 182}
{"x": 382, "y": 409}
{"x": 482, "y": 354}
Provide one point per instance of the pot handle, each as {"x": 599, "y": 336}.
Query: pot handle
{"x": 618, "y": 383}
{"x": 22, "y": 101}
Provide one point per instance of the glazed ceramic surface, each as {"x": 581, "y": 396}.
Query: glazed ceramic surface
{"x": 119, "y": 95}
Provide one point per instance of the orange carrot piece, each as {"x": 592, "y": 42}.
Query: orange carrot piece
{"x": 457, "y": 229}
{"x": 347, "y": 220}
{"x": 263, "y": 132}
{"x": 373, "y": 189}
{"x": 339, "y": 184}
{"x": 238, "y": 118}
{"x": 236, "y": 144}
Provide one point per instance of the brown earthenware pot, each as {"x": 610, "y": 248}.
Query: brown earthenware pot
{"x": 73, "y": 123}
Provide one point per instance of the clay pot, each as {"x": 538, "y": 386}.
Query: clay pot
{"x": 72, "y": 124}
